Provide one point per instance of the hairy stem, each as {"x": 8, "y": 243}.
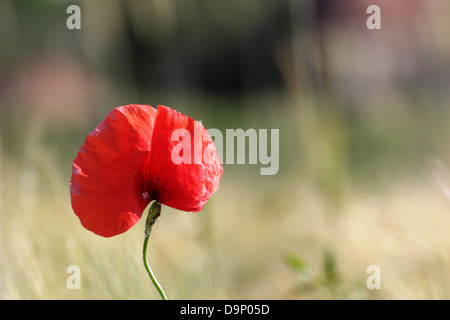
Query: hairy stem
{"x": 153, "y": 214}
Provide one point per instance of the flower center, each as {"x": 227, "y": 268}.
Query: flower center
{"x": 152, "y": 189}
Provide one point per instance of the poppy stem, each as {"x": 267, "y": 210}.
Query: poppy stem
{"x": 153, "y": 214}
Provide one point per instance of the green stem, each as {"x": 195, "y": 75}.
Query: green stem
{"x": 153, "y": 214}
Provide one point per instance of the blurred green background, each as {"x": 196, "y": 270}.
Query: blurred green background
{"x": 364, "y": 146}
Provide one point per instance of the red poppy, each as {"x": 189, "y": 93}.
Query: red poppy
{"x": 126, "y": 162}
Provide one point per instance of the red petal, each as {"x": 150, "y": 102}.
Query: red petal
{"x": 107, "y": 184}
{"x": 182, "y": 186}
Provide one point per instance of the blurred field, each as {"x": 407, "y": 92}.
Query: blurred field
{"x": 364, "y": 175}
{"x": 308, "y": 232}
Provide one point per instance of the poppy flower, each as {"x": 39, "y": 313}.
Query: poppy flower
{"x": 127, "y": 161}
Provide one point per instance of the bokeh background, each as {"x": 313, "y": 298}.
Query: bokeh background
{"x": 364, "y": 175}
